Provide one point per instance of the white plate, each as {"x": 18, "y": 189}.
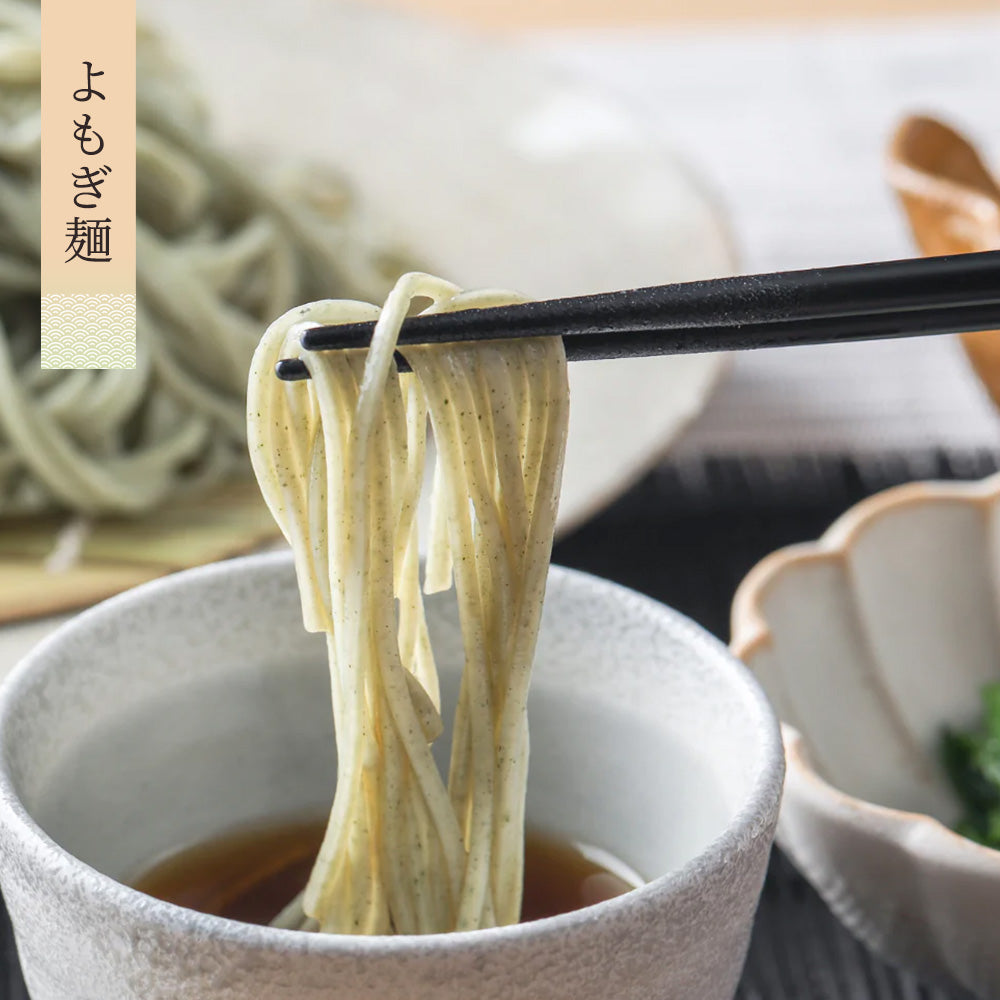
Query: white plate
{"x": 494, "y": 168}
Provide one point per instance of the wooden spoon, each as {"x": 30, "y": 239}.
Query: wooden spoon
{"x": 953, "y": 204}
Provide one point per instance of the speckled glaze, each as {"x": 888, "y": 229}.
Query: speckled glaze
{"x": 868, "y": 641}
{"x": 197, "y": 703}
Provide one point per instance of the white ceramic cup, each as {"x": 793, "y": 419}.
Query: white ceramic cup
{"x": 197, "y": 703}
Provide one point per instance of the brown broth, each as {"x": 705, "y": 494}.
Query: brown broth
{"x": 251, "y": 874}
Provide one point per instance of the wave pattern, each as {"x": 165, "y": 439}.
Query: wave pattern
{"x": 87, "y": 331}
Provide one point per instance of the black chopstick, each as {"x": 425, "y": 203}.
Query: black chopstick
{"x": 918, "y": 297}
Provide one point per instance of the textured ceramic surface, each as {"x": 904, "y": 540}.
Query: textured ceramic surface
{"x": 196, "y": 703}
{"x": 867, "y": 642}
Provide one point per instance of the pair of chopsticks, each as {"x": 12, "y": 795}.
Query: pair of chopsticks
{"x": 901, "y": 298}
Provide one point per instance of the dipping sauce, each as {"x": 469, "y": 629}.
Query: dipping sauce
{"x": 250, "y": 875}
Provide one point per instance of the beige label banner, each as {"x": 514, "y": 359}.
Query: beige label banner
{"x": 88, "y": 184}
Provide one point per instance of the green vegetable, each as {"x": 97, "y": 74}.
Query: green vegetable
{"x": 972, "y": 762}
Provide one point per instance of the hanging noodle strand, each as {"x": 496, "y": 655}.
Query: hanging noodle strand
{"x": 340, "y": 460}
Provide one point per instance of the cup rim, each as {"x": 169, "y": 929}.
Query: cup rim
{"x": 756, "y": 813}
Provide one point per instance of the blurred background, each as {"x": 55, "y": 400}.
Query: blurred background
{"x": 565, "y": 148}
{"x": 302, "y": 148}
{"x": 600, "y": 13}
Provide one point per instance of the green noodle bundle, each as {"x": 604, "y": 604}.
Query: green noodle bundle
{"x": 340, "y": 461}
{"x": 222, "y": 247}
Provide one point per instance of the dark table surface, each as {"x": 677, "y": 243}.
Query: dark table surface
{"x": 686, "y": 534}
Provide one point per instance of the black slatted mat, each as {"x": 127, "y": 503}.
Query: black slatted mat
{"x": 11, "y": 986}
{"x": 800, "y": 952}
{"x": 686, "y": 534}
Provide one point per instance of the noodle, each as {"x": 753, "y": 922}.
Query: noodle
{"x": 340, "y": 461}
{"x": 219, "y": 252}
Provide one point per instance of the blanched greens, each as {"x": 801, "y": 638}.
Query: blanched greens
{"x": 972, "y": 760}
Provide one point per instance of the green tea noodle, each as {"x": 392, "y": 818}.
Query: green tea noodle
{"x": 340, "y": 460}
{"x": 222, "y": 247}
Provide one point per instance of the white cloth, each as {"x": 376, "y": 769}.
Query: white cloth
{"x": 789, "y": 125}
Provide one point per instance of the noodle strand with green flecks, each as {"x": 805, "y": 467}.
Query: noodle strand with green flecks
{"x": 340, "y": 460}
